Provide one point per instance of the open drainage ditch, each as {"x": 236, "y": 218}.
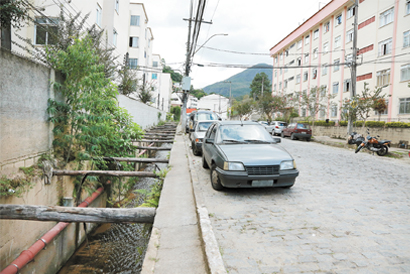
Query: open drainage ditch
{"x": 117, "y": 248}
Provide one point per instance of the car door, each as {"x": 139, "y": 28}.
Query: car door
{"x": 207, "y": 148}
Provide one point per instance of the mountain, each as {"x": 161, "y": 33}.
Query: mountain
{"x": 240, "y": 82}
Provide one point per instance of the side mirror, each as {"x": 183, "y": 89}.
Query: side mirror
{"x": 209, "y": 141}
{"x": 277, "y": 140}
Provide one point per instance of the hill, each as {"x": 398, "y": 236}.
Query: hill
{"x": 240, "y": 82}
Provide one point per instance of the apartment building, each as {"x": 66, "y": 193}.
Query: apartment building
{"x": 318, "y": 53}
{"x": 125, "y": 25}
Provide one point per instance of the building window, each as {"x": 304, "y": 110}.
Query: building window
{"x": 299, "y": 61}
{"x": 406, "y": 39}
{"x": 385, "y": 47}
{"x": 347, "y": 85}
{"x": 327, "y": 27}
{"x": 307, "y": 39}
{"x": 276, "y": 59}
{"x": 117, "y": 6}
{"x": 325, "y": 48}
{"x": 154, "y": 76}
{"x": 407, "y": 7}
{"x": 99, "y": 16}
{"x": 280, "y": 86}
{"x": 299, "y": 44}
{"x": 383, "y": 77}
{"x": 305, "y": 76}
{"x": 133, "y": 63}
{"x": 335, "y": 87}
{"x": 338, "y": 41}
{"x": 134, "y": 42}
{"x": 114, "y": 37}
{"x": 333, "y": 112}
{"x": 303, "y": 112}
{"x": 338, "y": 20}
{"x": 324, "y": 69}
{"x": 405, "y": 73}
{"x": 351, "y": 12}
{"x": 286, "y": 53}
{"x": 135, "y": 20}
{"x": 404, "y": 107}
{"x": 298, "y": 79}
{"x": 386, "y": 17}
{"x": 349, "y": 36}
{"x": 155, "y": 64}
{"x": 314, "y": 72}
{"x": 291, "y": 46}
{"x": 285, "y": 84}
{"x": 316, "y": 34}
{"x": 45, "y": 31}
{"x": 307, "y": 58}
{"x": 336, "y": 65}
{"x": 315, "y": 53}
{"x": 291, "y": 78}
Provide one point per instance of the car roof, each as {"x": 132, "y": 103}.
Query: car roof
{"x": 237, "y": 122}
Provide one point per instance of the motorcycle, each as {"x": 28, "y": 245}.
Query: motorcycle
{"x": 373, "y": 144}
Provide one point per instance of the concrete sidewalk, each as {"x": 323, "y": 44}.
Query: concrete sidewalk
{"x": 182, "y": 240}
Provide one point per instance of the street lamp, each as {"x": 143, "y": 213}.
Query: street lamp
{"x": 224, "y": 34}
{"x": 230, "y": 95}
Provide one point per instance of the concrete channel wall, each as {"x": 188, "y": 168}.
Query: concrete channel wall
{"x": 25, "y": 134}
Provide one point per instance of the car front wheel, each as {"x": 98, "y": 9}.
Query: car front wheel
{"x": 282, "y": 135}
{"x": 292, "y": 137}
{"x": 215, "y": 181}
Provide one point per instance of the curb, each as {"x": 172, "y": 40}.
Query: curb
{"x": 211, "y": 248}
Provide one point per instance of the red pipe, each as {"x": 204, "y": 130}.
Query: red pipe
{"x": 28, "y": 255}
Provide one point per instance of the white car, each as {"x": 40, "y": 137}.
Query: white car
{"x": 277, "y": 127}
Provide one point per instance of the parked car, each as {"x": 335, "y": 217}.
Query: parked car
{"x": 187, "y": 123}
{"x": 277, "y": 127}
{"x": 297, "y": 131}
{"x": 200, "y": 115}
{"x": 244, "y": 155}
{"x": 198, "y": 134}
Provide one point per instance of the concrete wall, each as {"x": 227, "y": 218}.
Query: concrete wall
{"x": 393, "y": 134}
{"x": 144, "y": 115}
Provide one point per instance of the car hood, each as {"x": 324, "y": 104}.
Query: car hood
{"x": 255, "y": 154}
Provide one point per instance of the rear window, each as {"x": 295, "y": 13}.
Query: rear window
{"x": 283, "y": 124}
{"x": 303, "y": 126}
{"x": 207, "y": 116}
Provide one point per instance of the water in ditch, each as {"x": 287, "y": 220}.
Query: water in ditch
{"x": 117, "y": 248}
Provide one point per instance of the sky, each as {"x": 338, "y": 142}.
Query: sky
{"x": 253, "y": 27}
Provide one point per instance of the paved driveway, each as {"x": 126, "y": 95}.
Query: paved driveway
{"x": 347, "y": 213}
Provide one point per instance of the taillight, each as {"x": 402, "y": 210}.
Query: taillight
{"x": 276, "y": 127}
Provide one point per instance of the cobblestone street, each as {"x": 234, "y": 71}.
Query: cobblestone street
{"x": 347, "y": 213}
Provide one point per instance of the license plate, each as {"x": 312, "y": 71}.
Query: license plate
{"x": 303, "y": 132}
{"x": 262, "y": 183}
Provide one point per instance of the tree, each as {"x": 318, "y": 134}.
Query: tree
{"x": 12, "y": 14}
{"x": 198, "y": 93}
{"x": 361, "y": 105}
{"x": 380, "y": 106}
{"x": 315, "y": 101}
{"x": 260, "y": 84}
{"x": 244, "y": 107}
{"x": 128, "y": 79}
{"x": 266, "y": 105}
{"x": 175, "y": 76}
{"x": 144, "y": 92}
{"x": 176, "y": 111}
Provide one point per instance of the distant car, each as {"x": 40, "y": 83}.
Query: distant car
{"x": 187, "y": 123}
{"x": 201, "y": 115}
{"x": 197, "y": 136}
{"x": 297, "y": 131}
{"x": 263, "y": 123}
{"x": 277, "y": 127}
{"x": 245, "y": 155}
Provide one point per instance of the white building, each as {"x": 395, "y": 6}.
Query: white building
{"x": 125, "y": 25}
{"x": 317, "y": 47}
{"x": 216, "y": 103}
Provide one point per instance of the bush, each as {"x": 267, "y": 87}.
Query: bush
{"x": 358, "y": 124}
{"x": 343, "y": 123}
{"x": 375, "y": 124}
{"x": 324, "y": 124}
{"x": 398, "y": 124}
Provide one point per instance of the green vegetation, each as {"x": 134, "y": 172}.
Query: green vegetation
{"x": 176, "y": 112}
{"x": 151, "y": 197}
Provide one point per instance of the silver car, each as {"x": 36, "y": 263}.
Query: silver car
{"x": 277, "y": 127}
{"x": 198, "y": 134}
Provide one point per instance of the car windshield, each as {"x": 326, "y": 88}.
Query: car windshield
{"x": 203, "y": 126}
{"x": 243, "y": 133}
{"x": 302, "y": 126}
{"x": 207, "y": 116}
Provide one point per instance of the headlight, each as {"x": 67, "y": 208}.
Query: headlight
{"x": 287, "y": 165}
{"x": 233, "y": 166}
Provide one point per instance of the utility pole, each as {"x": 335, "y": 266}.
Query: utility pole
{"x": 354, "y": 63}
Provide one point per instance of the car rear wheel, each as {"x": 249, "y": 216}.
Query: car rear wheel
{"x": 194, "y": 149}
{"x": 215, "y": 181}
{"x": 204, "y": 163}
